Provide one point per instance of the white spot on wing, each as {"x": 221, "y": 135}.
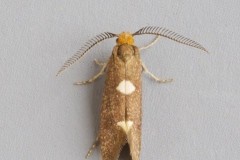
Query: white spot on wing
{"x": 129, "y": 124}
{"x": 126, "y": 126}
{"x": 126, "y": 87}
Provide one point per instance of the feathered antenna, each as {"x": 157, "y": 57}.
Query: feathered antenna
{"x": 88, "y": 45}
{"x": 169, "y": 34}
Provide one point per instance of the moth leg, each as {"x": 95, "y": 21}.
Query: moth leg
{"x": 150, "y": 44}
{"x": 100, "y": 73}
{"x": 99, "y": 63}
{"x": 91, "y": 149}
{"x": 155, "y": 77}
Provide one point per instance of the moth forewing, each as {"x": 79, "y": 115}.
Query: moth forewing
{"x": 120, "y": 120}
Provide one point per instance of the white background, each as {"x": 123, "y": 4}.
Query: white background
{"x": 43, "y": 117}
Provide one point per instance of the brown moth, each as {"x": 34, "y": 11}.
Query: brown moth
{"x": 121, "y": 108}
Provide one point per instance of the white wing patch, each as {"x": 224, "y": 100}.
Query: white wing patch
{"x": 126, "y": 87}
{"x": 125, "y": 125}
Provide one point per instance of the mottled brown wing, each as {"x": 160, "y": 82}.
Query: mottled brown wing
{"x": 134, "y": 105}
{"x": 118, "y": 107}
{"x": 111, "y": 137}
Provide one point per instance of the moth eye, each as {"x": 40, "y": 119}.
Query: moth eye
{"x": 117, "y": 40}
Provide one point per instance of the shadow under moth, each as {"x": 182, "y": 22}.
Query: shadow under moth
{"x": 121, "y": 108}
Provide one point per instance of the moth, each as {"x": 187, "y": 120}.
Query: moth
{"x": 121, "y": 108}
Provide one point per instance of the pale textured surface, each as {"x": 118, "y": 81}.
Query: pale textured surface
{"x": 43, "y": 117}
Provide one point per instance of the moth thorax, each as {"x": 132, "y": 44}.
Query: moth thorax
{"x": 125, "y": 52}
{"x": 125, "y": 38}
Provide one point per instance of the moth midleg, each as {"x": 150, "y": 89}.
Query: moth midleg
{"x": 91, "y": 149}
{"x": 155, "y": 77}
{"x": 100, "y": 73}
{"x": 150, "y": 44}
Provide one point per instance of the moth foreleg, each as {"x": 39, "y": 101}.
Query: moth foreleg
{"x": 99, "y": 63}
{"x": 100, "y": 73}
{"x": 91, "y": 149}
{"x": 155, "y": 77}
{"x": 150, "y": 44}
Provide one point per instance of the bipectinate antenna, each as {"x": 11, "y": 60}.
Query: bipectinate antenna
{"x": 169, "y": 34}
{"x": 88, "y": 45}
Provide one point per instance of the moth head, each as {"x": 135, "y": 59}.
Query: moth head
{"x": 125, "y": 52}
{"x": 125, "y": 38}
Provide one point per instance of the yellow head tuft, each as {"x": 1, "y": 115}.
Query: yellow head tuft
{"x": 125, "y": 38}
